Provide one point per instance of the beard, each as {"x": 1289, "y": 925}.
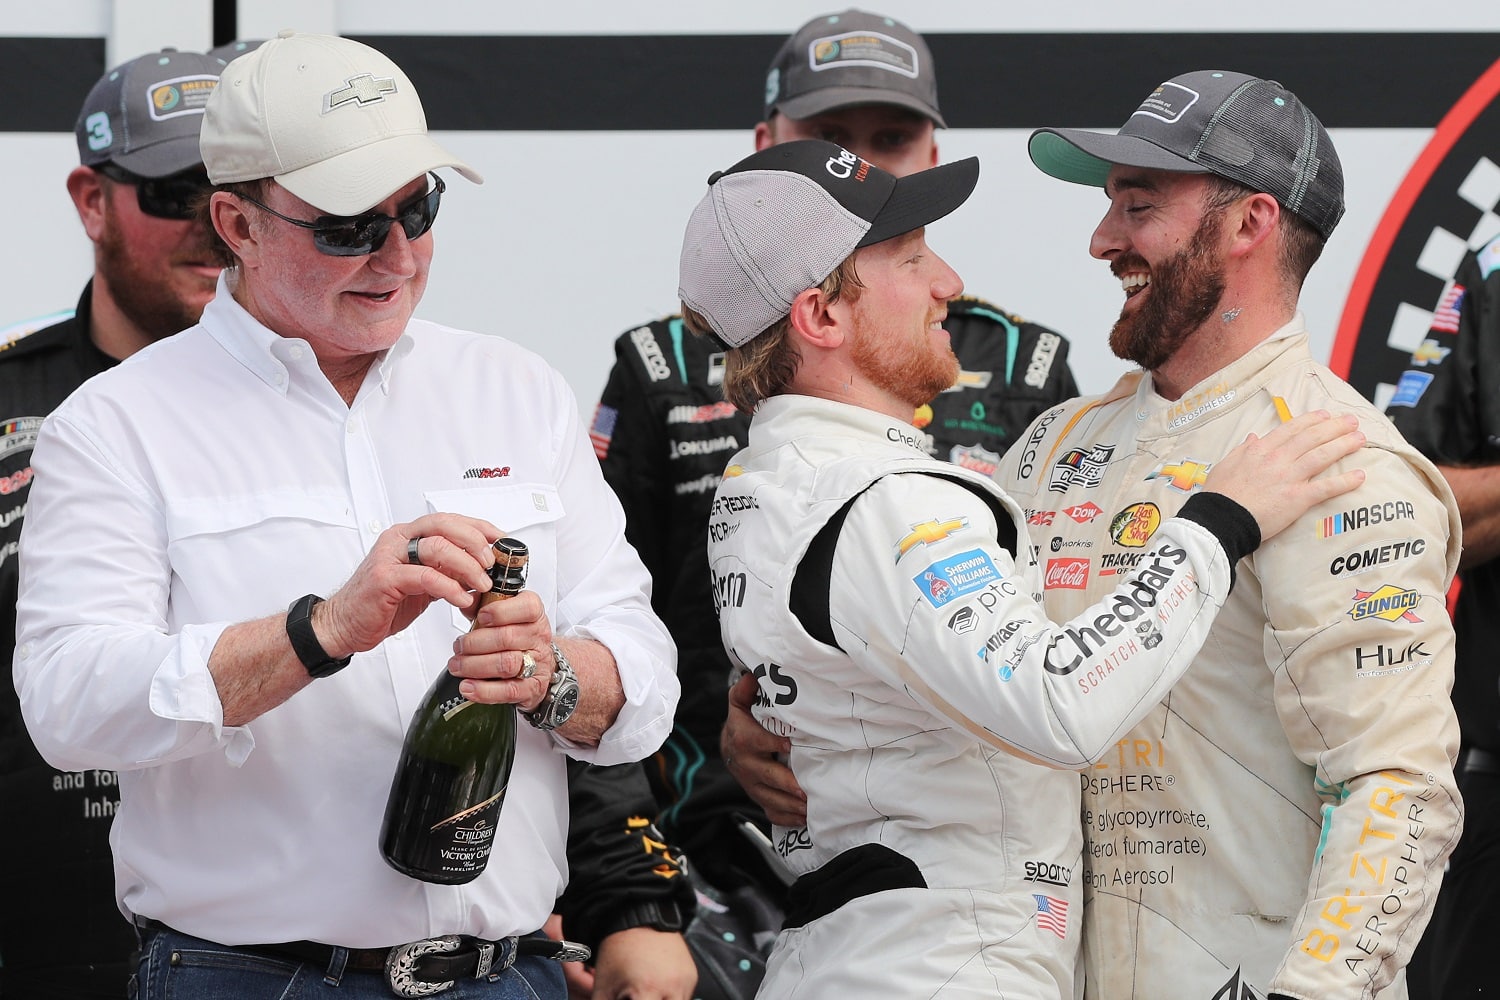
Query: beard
{"x": 914, "y": 371}
{"x": 154, "y": 302}
{"x": 1185, "y": 290}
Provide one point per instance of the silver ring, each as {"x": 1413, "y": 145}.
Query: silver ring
{"x": 528, "y": 664}
{"x": 411, "y": 551}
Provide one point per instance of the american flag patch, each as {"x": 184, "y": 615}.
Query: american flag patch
{"x": 1051, "y": 914}
{"x": 1445, "y": 318}
{"x": 603, "y": 429}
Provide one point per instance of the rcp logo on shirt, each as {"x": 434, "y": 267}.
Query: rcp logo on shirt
{"x": 952, "y": 578}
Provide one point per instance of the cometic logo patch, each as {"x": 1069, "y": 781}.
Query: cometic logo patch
{"x": 1376, "y": 555}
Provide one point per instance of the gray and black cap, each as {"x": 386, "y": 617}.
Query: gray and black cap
{"x": 145, "y": 115}
{"x": 1240, "y": 127}
{"x": 781, "y": 220}
{"x": 852, "y": 58}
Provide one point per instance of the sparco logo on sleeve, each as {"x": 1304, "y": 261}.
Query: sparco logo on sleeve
{"x": 650, "y": 352}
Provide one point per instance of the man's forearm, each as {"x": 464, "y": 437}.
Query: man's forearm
{"x": 1477, "y": 490}
{"x": 600, "y": 693}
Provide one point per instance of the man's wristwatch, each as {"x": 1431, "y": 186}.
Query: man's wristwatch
{"x": 305, "y": 642}
{"x": 561, "y": 699}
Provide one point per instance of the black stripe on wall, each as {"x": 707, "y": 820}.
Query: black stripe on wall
{"x": 45, "y": 81}
{"x": 674, "y": 82}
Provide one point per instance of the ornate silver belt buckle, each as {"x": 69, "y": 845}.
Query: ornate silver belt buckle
{"x": 401, "y": 965}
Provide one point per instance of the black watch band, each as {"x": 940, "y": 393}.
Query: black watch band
{"x": 305, "y": 641}
{"x": 658, "y": 914}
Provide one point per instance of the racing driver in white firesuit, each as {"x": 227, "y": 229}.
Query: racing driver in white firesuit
{"x": 1279, "y": 824}
{"x": 889, "y": 604}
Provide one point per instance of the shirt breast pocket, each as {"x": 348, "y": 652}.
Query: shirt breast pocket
{"x": 233, "y": 556}
{"x": 527, "y": 511}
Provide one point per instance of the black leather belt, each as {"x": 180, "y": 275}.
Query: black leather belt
{"x": 1477, "y": 760}
{"x": 421, "y": 968}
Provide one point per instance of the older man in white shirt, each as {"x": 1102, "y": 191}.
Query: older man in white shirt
{"x": 309, "y": 437}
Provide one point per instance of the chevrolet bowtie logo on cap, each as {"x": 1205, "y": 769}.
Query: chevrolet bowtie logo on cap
{"x": 365, "y": 88}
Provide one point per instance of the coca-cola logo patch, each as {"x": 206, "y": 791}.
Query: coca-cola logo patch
{"x": 1067, "y": 574}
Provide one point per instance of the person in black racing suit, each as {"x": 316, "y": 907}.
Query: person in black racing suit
{"x": 1445, "y": 406}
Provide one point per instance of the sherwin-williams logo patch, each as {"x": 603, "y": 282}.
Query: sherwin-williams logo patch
{"x": 949, "y": 579}
{"x": 1388, "y": 604}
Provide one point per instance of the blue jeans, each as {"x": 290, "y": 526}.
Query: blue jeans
{"x": 176, "y": 966}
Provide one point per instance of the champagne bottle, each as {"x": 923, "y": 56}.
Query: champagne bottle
{"x": 455, "y": 764}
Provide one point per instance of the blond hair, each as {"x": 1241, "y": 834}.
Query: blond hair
{"x": 765, "y": 365}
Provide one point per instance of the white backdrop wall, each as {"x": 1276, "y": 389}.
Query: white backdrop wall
{"x": 574, "y": 237}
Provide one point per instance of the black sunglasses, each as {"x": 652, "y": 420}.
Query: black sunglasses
{"x": 355, "y": 236}
{"x": 173, "y": 197}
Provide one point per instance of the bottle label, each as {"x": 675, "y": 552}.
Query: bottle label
{"x": 462, "y": 843}
{"x": 453, "y": 706}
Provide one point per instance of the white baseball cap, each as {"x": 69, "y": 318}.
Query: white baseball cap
{"x": 333, "y": 121}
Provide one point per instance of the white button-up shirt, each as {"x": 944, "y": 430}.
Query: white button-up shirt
{"x": 214, "y": 478}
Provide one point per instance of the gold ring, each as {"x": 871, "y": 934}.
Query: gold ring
{"x": 528, "y": 664}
